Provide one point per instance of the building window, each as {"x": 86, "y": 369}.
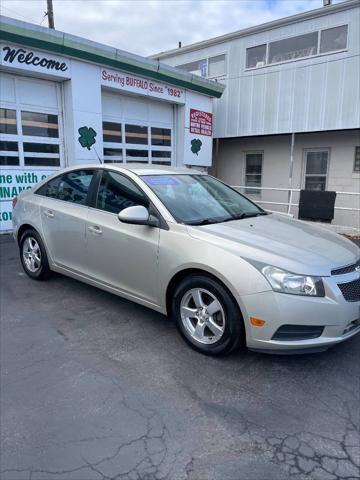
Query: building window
{"x": 256, "y": 56}
{"x": 357, "y": 160}
{"x": 207, "y": 67}
{"x": 293, "y": 48}
{"x": 316, "y": 168}
{"x": 217, "y": 66}
{"x": 199, "y": 67}
{"x": 333, "y": 39}
{"x": 253, "y": 171}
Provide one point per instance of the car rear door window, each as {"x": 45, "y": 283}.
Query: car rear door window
{"x": 70, "y": 187}
{"x": 50, "y": 188}
{"x": 117, "y": 192}
{"x": 74, "y": 186}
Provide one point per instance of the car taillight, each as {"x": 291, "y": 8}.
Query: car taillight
{"x": 14, "y": 201}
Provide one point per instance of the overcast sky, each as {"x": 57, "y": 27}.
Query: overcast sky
{"x": 147, "y": 27}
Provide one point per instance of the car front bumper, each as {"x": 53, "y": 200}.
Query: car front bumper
{"x": 340, "y": 318}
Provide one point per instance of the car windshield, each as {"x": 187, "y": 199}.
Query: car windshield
{"x": 200, "y": 199}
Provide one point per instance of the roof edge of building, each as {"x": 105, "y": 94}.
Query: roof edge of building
{"x": 318, "y": 12}
{"x": 30, "y": 35}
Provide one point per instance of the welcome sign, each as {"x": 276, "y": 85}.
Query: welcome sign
{"x": 34, "y": 60}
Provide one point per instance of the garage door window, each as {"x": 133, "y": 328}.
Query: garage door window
{"x": 137, "y": 143}
{"x": 39, "y": 124}
{"x": 9, "y": 153}
{"x": 8, "y": 121}
{"x": 137, "y": 156}
{"x": 136, "y": 134}
{"x": 29, "y": 138}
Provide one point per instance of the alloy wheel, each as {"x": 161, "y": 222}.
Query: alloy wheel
{"x": 31, "y": 254}
{"x": 202, "y": 316}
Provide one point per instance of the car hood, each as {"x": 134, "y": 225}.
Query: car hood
{"x": 283, "y": 242}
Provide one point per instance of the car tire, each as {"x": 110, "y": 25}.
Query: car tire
{"x": 33, "y": 255}
{"x": 207, "y": 315}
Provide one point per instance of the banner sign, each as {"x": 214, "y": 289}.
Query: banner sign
{"x": 33, "y": 60}
{"x": 141, "y": 86}
{"x": 201, "y": 122}
{"x": 12, "y": 182}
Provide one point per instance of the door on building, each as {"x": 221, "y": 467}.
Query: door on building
{"x": 136, "y": 245}
{"x": 137, "y": 130}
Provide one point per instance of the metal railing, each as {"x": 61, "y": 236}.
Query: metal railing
{"x": 290, "y": 203}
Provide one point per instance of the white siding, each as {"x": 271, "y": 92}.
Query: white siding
{"x": 312, "y": 94}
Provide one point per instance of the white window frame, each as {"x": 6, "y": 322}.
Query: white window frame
{"x": 356, "y": 172}
{"x": 224, "y": 75}
{"x": 133, "y": 146}
{"x": 315, "y": 150}
{"x": 21, "y": 139}
{"x": 318, "y": 54}
{"x": 253, "y": 191}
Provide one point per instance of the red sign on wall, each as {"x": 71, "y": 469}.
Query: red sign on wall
{"x": 201, "y": 122}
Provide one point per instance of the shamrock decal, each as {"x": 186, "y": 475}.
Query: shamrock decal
{"x": 196, "y": 146}
{"x": 87, "y": 137}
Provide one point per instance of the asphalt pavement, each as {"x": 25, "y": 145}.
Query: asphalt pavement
{"x": 96, "y": 387}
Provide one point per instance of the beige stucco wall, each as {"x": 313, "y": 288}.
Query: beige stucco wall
{"x": 229, "y": 165}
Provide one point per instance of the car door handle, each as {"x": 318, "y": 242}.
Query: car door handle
{"x": 49, "y": 213}
{"x": 95, "y": 229}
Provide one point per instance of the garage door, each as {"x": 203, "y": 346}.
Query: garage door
{"x": 137, "y": 130}
{"x": 30, "y": 123}
{"x": 31, "y": 145}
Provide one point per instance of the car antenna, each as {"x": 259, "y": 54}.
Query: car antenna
{"x": 97, "y": 155}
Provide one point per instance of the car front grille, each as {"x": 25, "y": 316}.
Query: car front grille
{"x": 346, "y": 269}
{"x": 294, "y": 333}
{"x": 351, "y": 290}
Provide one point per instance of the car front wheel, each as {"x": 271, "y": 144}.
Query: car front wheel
{"x": 207, "y": 315}
{"x": 33, "y": 255}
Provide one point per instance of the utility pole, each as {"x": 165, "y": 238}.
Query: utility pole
{"x": 50, "y": 14}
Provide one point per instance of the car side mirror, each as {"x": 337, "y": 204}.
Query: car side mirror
{"x": 137, "y": 215}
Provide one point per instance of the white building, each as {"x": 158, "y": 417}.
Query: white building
{"x": 59, "y": 93}
{"x": 290, "y": 114}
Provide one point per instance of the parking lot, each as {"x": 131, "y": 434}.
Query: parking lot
{"x": 96, "y": 387}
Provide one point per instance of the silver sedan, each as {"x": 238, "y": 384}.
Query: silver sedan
{"x": 189, "y": 246}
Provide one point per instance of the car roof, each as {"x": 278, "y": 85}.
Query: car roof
{"x": 141, "y": 169}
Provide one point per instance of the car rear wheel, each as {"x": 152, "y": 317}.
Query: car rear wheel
{"x": 207, "y": 315}
{"x": 33, "y": 255}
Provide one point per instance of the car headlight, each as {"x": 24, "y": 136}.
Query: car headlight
{"x": 286, "y": 282}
